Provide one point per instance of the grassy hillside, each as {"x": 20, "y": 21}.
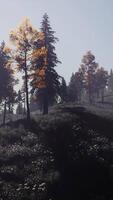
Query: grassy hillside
{"x": 64, "y": 155}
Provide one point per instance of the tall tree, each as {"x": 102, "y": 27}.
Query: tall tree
{"x": 89, "y": 68}
{"x": 79, "y": 83}
{"x": 22, "y": 38}
{"x": 63, "y": 90}
{"x": 75, "y": 87}
{"x": 19, "y": 109}
{"x": 72, "y": 93}
{"x": 46, "y": 63}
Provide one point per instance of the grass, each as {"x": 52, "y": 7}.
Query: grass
{"x": 57, "y": 156}
{"x": 22, "y": 163}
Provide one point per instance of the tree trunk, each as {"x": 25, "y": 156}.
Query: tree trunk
{"x": 45, "y": 102}
{"x": 9, "y": 107}
{"x": 26, "y": 90}
{"x": 4, "y": 113}
{"x": 24, "y": 112}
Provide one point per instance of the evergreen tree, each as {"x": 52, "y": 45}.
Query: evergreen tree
{"x": 63, "y": 90}
{"x": 75, "y": 87}
{"x": 72, "y": 92}
{"x": 46, "y": 63}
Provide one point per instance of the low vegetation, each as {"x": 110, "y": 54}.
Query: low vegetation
{"x": 59, "y": 156}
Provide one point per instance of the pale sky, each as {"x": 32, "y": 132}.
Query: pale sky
{"x": 80, "y": 25}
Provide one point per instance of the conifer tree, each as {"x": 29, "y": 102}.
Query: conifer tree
{"x": 63, "y": 90}
{"x": 46, "y": 64}
{"x": 75, "y": 87}
{"x": 72, "y": 93}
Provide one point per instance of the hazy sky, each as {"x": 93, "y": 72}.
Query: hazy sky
{"x": 80, "y": 25}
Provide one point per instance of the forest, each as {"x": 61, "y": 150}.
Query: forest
{"x": 32, "y": 54}
{"x": 56, "y": 138}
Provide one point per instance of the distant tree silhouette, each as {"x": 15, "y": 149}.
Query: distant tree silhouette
{"x": 72, "y": 93}
{"x": 88, "y": 69}
{"x": 6, "y": 77}
{"x": 101, "y": 80}
{"x": 75, "y": 87}
{"x": 110, "y": 81}
{"x": 19, "y": 109}
{"x": 63, "y": 90}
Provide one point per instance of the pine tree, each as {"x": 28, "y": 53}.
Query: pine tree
{"x": 63, "y": 90}
{"x": 72, "y": 93}
{"x": 46, "y": 63}
{"x": 75, "y": 87}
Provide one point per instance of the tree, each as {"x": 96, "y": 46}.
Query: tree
{"x": 101, "y": 80}
{"x": 6, "y": 77}
{"x": 79, "y": 82}
{"x": 88, "y": 69}
{"x": 22, "y": 38}
{"x": 19, "y": 109}
{"x": 63, "y": 90}
{"x": 45, "y": 64}
{"x": 75, "y": 87}
{"x": 11, "y": 98}
{"x": 72, "y": 93}
{"x": 110, "y": 81}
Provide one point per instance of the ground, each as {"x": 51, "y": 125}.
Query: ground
{"x": 67, "y": 154}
